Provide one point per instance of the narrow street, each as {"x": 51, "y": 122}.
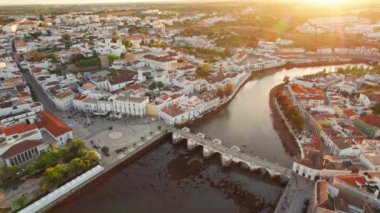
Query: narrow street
{"x": 41, "y": 95}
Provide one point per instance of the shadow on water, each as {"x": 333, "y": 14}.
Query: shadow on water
{"x": 171, "y": 179}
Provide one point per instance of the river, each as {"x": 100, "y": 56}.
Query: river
{"x": 170, "y": 179}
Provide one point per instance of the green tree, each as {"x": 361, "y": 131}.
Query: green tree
{"x": 153, "y": 86}
{"x": 66, "y": 39}
{"x": 160, "y": 85}
{"x": 89, "y": 62}
{"x": 228, "y": 89}
{"x": 9, "y": 172}
{"x": 203, "y": 71}
{"x": 31, "y": 169}
{"x": 77, "y": 164}
{"x": 92, "y": 156}
{"x": 112, "y": 57}
{"x": 114, "y": 36}
{"x": 76, "y": 145}
{"x": 105, "y": 150}
{"x": 20, "y": 202}
{"x": 53, "y": 176}
{"x": 127, "y": 43}
{"x": 220, "y": 92}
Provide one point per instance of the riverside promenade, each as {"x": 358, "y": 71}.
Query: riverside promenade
{"x": 108, "y": 167}
{"x": 277, "y": 106}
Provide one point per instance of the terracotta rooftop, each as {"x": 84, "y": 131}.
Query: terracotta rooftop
{"x": 62, "y": 95}
{"x": 79, "y": 97}
{"x": 20, "y": 148}
{"x": 19, "y": 128}
{"x": 173, "y": 110}
{"x": 353, "y": 180}
{"x": 372, "y": 120}
{"x": 159, "y": 59}
{"x": 52, "y": 123}
{"x": 125, "y": 76}
{"x": 349, "y": 112}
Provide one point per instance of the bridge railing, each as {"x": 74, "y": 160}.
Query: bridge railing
{"x": 230, "y": 151}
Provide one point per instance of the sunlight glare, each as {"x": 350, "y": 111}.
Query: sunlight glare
{"x": 328, "y": 1}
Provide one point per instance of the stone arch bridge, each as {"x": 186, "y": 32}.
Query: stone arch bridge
{"x": 228, "y": 154}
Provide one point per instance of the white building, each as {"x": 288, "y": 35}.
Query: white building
{"x": 63, "y": 100}
{"x": 160, "y": 62}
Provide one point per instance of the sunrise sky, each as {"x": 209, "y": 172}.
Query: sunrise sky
{"x": 23, "y": 2}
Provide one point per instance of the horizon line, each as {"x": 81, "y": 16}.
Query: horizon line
{"x": 174, "y": 1}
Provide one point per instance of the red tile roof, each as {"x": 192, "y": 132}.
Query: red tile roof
{"x": 79, "y": 97}
{"x": 23, "y": 94}
{"x": 307, "y": 98}
{"x": 349, "y": 112}
{"x": 62, "y": 95}
{"x": 133, "y": 87}
{"x": 20, "y": 148}
{"x": 372, "y": 120}
{"x": 52, "y": 124}
{"x": 173, "y": 110}
{"x": 158, "y": 58}
{"x": 352, "y": 179}
{"x": 298, "y": 88}
{"x": 123, "y": 77}
{"x": 36, "y": 69}
{"x": 19, "y": 128}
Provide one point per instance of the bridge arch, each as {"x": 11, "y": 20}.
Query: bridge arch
{"x": 243, "y": 164}
{"x": 228, "y": 155}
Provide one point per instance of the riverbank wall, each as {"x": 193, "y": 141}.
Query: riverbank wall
{"x": 288, "y": 140}
{"x": 115, "y": 167}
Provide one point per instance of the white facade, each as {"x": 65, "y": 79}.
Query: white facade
{"x": 63, "y": 102}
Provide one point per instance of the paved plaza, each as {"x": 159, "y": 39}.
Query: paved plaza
{"x": 115, "y": 134}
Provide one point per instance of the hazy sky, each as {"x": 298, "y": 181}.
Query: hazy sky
{"x": 21, "y": 2}
{"x": 18, "y": 2}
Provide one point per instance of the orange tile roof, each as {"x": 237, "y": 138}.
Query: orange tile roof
{"x": 133, "y": 87}
{"x": 79, "y": 97}
{"x": 349, "y": 112}
{"x": 19, "y": 128}
{"x": 52, "y": 123}
{"x": 298, "y": 88}
{"x": 62, "y": 95}
{"x": 173, "y": 110}
{"x": 36, "y": 69}
{"x": 319, "y": 98}
{"x": 372, "y": 120}
{"x": 23, "y": 94}
{"x": 352, "y": 179}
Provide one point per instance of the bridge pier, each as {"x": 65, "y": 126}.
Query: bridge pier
{"x": 200, "y": 134}
{"x": 176, "y": 137}
{"x": 186, "y": 129}
{"x": 229, "y": 155}
{"x": 207, "y": 151}
{"x": 226, "y": 160}
{"x": 217, "y": 141}
{"x": 253, "y": 167}
{"x": 191, "y": 144}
